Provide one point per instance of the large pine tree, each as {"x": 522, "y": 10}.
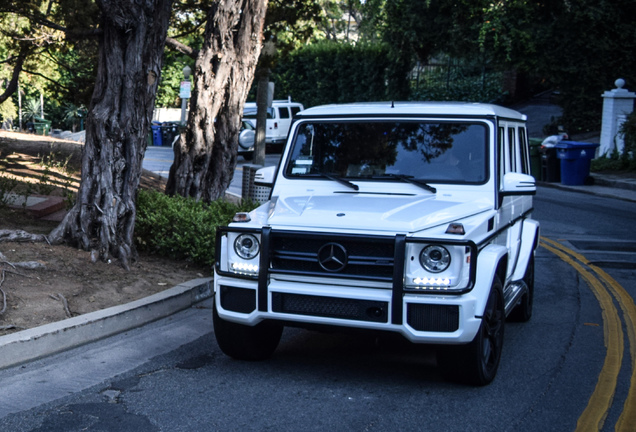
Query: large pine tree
{"x": 205, "y": 155}
{"x": 132, "y": 38}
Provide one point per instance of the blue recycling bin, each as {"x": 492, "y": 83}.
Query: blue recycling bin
{"x": 576, "y": 158}
{"x": 156, "y": 134}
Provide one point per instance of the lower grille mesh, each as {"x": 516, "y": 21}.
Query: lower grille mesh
{"x": 433, "y": 318}
{"x": 330, "y": 307}
{"x": 238, "y": 299}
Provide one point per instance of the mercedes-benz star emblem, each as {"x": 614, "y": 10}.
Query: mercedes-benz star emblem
{"x": 332, "y": 257}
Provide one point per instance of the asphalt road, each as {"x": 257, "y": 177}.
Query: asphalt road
{"x": 564, "y": 367}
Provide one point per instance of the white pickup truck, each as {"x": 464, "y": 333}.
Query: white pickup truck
{"x": 412, "y": 218}
{"x": 279, "y": 118}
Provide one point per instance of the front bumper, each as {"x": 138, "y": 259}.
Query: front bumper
{"x": 439, "y": 319}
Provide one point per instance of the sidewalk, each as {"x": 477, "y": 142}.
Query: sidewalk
{"x": 605, "y": 185}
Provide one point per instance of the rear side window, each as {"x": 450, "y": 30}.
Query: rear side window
{"x": 284, "y": 113}
{"x": 295, "y": 110}
{"x": 525, "y": 157}
{"x": 512, "y": 148}
{"x": 501, "y": 139}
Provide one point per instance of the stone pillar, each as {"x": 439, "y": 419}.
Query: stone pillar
{"x": 617, "y": 105}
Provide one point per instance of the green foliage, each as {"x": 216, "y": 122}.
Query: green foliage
{"x": 628, "y": 130}
{"x": 625, "y": 161}
{"x": 292, "y": 23}
{"x": 181, "y": 228}
{"x": 73, "y": 115}
{"x": 171, "y": 77}
{"x": 329, "y": 72}
{"x": 8, "y": 111}
{"x": 460, "y": 84}
{"x": 31, "y": 109}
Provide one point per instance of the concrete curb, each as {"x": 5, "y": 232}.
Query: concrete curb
{"x": 621, "y": 193}
{"x": 52, "y": 338}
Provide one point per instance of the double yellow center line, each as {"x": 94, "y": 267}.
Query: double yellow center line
{"x": 606, "y": 290}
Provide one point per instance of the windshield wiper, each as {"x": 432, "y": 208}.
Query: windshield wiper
{"x": 410, "y": 179}
{"x": 337, "y": 179}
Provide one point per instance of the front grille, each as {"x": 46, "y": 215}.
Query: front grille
{"x": 238, "y": 299}
{"x": 366, "y": 258}
{"x": 330, "y": 307}
{"x": 433, "y": 318}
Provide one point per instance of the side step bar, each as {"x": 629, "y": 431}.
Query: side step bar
{"x": 513, "y": 293}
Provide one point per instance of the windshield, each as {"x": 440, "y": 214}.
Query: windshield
{"x": 443, "y": 152}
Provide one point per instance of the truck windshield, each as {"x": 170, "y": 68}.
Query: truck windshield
{"x": 442, "y": 152}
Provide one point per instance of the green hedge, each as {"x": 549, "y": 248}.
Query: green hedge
{"x": 461, "y": 84}
{"x": 328, "y": 72}
{"x": 181, "y": 228}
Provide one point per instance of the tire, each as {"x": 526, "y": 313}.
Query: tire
{"x": 242, "y": 342}
{"x": 523, "y": 311}
{"x": 477, "y": 362}
{"x": 248, "y": 156}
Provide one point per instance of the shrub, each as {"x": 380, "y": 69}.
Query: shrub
{"x": 628, "y": 130}
{"x": 328, "y": 72}
{"x": 625, "y": 161}
{"x": 181, "y": 228}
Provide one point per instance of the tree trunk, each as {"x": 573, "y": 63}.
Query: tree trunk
{"x": 205, "y": 155}
{"x": 117, "y": 125}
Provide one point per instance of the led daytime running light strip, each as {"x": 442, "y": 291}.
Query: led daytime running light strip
{"x": 245, "y": 268}
{"x": 432, "y": 281}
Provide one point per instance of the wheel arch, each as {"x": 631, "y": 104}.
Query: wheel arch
{"x": 492, "y": 262}
{"x": 529, "y": 243}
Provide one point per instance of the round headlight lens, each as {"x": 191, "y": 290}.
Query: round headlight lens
{"x": 246, "y": 246}
{"x": 435, "y": 258}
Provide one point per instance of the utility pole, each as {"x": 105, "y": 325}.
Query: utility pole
{"x": 20, "y": 106}
{"x": 261, "y": 116}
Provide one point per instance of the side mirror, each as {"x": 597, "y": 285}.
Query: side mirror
{"x": 265, "y": 176}
{"x": 518, "y": 184}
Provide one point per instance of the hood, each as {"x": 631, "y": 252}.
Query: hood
{"x": 373, "y": 212}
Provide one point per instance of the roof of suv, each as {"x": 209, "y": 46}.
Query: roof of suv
{"x": 277, "y": 103}
{"x": 414, "y": 108}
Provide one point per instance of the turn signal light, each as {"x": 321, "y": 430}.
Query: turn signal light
{"x": 455, "y": 228}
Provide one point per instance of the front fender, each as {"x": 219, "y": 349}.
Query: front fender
{"x": 487, "y": 264}
{"x": 529, "y": 243}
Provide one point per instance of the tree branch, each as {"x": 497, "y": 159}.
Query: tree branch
{"x": 17, "y": 68}
{"x": 47, "y": 78}
{"x": 20, "y": 235}
{"x": 182, "y": 48}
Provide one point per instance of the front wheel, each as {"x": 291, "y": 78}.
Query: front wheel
{"x": 477, "y": 362}
{"x": 246, "y": 343}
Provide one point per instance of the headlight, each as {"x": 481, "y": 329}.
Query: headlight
{"x": 435, "y": 259}
{"x": 246, "y": 246}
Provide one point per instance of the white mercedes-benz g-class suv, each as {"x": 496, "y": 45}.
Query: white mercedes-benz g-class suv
{"x": 412, "y": 218}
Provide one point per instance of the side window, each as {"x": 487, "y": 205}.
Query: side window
{"x": 295, "y": 110}
{"x": 523, "y": 146}
{"x": 501, "y": 163}
{"x": 512, "y": 148}
{"x": 284, "y": 112}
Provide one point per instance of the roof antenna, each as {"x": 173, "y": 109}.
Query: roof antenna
{"x": 392, "y": 104}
